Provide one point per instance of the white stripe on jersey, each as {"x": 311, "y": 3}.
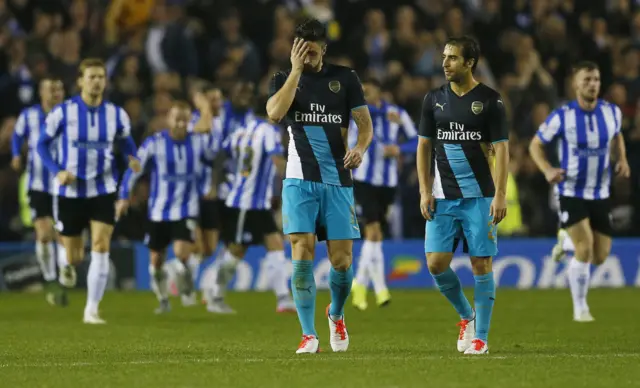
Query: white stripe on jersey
{"x": 294, "y": 164}
{"x": 583, "y": 147}
{"x": 85, "y": 145}
{"x": 375, "y": 169}
{"x": 28, "y": 127}
{"x": 251, "y": 150}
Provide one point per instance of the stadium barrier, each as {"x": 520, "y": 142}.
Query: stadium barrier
{"x": 521, "y": 263}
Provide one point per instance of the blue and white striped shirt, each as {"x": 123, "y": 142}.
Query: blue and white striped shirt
{"x": 28, "y": 128}
{"x": 251, "y": 150}
{"x": 214, "y": 142}
{"x": 85, "y": 147}
{"x": 231, "y": 120}
{"x": 175, "y": 167}
{"x": 584, "y": 143}
{"x": 375, "y": 169}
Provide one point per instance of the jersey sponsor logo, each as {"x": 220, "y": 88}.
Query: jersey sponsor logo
{"x": 334, "y": 86}
{"x": 457, "y": 132}
{"x": 476, "y": 107}
{"x": 586, "y": 152}
{"x": 91, "y": 144}
{"x": 318, "y": 115}
{"x": 179, "y": 177}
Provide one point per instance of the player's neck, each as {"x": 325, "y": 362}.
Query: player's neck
{"x": 463, "y": 87}
{"x": 587, "y": 105}
{"x": 177, "y": 135}
{"x": 91, "y": 100}
{"x": 46, "y": 108}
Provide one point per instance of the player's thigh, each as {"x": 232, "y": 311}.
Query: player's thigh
{"x": 572, "y": 212}
{"x": 70, "y": 216}
{"x": 41, "y": 206}
{"x": 158, "y": 236}
{"x": 264, "y": 230}
{"x": 340, "y": 253}
{"x": 443, "y": 229}
{"x": 183, "y": 235}
{"x": 478, "y": 228}
{"x": 300, "y": 206}
{"x": 602, "y": 229}
{"x": 338, "y": 213}
{"x": 43, "y": 227}
{"x": 103, "y": 217}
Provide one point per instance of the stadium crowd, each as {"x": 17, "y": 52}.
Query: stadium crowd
{"x": 160, "y": 50}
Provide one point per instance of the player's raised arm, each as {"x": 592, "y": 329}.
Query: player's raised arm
{"x": 283, "y": 89}
{"x": 51, "y": 129}
{"x": 426, "y": 131}
{"x": 203, "y": 124}
{"x": 362, "y": 118}
{"x": 549, "y": 130}
{"x": 500, "y": 139}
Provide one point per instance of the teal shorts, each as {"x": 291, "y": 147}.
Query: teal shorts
{"x": 327, "y": 211}
{"x": 468, "y": 217}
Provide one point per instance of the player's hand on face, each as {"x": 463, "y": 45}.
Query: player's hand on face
{"x": 554, "y": 175}
{"x": 394, "y": 117}
{"x": 353, "y": 158}
{"x": 391, "y": 151}
{"x": 299, "y": 53}
{"x": 498, "y": 209}
{"x": 427, "y": 206}
{"x": 65, "y": 177}
{"x": 122, "y": 206}
{"x": 16, "y": 163}
{"x": 134, "y": 164}
{"x": 623, "y": 169}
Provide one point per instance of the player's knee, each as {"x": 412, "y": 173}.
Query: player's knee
{"x": 156, "y": 259}
{"x": 182, "y": 249}
{"x": 100, "y": 246}
{"x": 584, "y": 251}
{"x": 207, "y": 250}
{"x": 273, "y": 242}
{"x": 481, "y": 265}
{"x": 236, "y": 250}
{"x": 341, "y": 259}
{"x": 438, "y": 262}
{"x": 600, "y": 257}
{"x": 373, "y": 231}
{"x": 302, "y": 246}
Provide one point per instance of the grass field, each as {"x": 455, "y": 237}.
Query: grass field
{"x": 411, "y": 343}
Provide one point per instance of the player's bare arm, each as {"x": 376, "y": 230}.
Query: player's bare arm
{"x": 423, "y": 164}
{"x": 552, "y": 174}
{"x": 203, "y": 125}
{"x": 280, "y": 102}
{"x": 622, "y": 165}
{"x": 362, "y": 118}
{"x": 499, "y": 205}
{"x": 281, "y": 164}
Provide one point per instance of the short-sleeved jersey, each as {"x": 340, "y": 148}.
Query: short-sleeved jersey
{"x": 28, "y": 128}
{"x": 316, "y": 120}
{"x": 175, "y": 167}
{"x": 251, "y": 150}
{"x": 584, "y": 143}
{"x": 86, "y": 137}
{"x": 462, "y": 129}
{"x": 376, "y": 169}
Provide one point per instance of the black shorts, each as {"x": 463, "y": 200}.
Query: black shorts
{"x": 247, "y": 227}
{"x": 72, "y": 215}
{"x": 210, "y": 213}
{"x": 598, "y": 211}
{"x": 373, "y": 201}
{"x": 163, "y": 233}
{"x": 41, "y": 204}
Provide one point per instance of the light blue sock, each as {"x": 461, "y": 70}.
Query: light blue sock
{"x": 303, "y": 288}
{"x": 340, "y": 286}
{"x": 449, "y": 286}
{"x": 485, "y": 295}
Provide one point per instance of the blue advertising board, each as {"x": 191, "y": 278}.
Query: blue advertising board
{"x": 521, "y": 263}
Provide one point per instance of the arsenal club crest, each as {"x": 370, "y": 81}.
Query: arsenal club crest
{"x": 476, "y": 107}
{"x": 334, "y": 86}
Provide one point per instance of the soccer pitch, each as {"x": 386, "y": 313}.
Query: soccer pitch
{"x": 411, "y": 343}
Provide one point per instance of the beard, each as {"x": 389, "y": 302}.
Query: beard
{"x": 588, "y": 97}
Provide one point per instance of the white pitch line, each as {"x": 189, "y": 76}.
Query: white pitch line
{"x": 314, "y": 358}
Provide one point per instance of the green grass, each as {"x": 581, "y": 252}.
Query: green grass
{"x": 411, "y": 343}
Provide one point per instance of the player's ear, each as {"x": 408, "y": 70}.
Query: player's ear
{"x": 324, "y": 49}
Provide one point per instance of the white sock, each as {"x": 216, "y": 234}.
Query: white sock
{"x": 159, "y": 282}
{"x": 579, "y": 275}
{"x": 185, "y": 283}
{"x": 276, "y": 266}
{"x": 63, "y": 261}
{"x": 46, "y": 255}
{"x": 226, "y": 270}
{"x": 194, "y": 264}
{"x": 364, "y": 263}
{"x": 377, "y": 268}
{"x": 97, "y": 279}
